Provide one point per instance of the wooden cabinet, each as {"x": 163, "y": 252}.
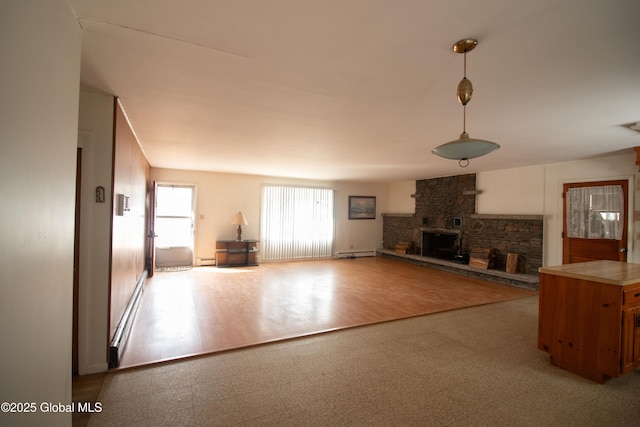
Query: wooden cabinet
{"x": 589, "y": 318}
{"x": 234, "y": 253}
{"x": 631, "y": 329}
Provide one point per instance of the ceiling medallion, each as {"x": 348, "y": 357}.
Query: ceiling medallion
{"x": 465, "y": 148}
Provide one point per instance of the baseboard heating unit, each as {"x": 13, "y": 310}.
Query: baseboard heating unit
{"x": 119, "y": 341}
{"x": 202, "y": 262}
{"x": 354, "y": 254}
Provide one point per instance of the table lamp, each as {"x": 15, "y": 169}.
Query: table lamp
{"x": 239, "y": 220}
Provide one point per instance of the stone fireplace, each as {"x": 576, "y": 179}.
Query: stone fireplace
{"x": 446, "y": 207}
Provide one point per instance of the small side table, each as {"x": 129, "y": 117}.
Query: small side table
{"x": 236, "y": 253}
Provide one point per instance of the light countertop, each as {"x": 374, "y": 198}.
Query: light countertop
{"x": 610, "y": 272}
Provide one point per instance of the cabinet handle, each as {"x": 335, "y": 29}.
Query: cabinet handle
{"x": 637, "y": 294}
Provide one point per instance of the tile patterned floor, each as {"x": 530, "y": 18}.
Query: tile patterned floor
{"x": 473, "y": 366}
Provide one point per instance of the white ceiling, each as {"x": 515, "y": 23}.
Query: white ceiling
{"x": 362, "y": 90}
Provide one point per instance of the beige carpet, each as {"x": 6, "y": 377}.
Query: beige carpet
{"x": 476, "y": 366}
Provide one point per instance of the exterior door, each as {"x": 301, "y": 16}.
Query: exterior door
{"x": 598, "y": 245}
{"x": 174, "y": 226}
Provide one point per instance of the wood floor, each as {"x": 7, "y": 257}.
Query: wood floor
{"x": 85, "y": 390}
{"x": 210, "y": 309}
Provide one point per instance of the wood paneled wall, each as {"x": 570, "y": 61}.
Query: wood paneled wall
{"x": 128, "y": 245}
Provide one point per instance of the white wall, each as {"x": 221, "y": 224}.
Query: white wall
{"x": 517, "y": 191}
{"x": 400, "y": 200}
{"x": 358, "y": 234}
{"x": 40, "y": 77}
{"x": 96, "y": 140}
{"x": 220, "y": 196}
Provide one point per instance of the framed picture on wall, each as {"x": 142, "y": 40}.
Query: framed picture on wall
{"x": 362, "y": 207}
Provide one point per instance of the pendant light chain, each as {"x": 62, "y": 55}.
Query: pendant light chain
{"x": 464, "y": 119}
{"x": 463, "y": 163}
{"x": 464, "y": 106}
{"x": 465, "y": 64}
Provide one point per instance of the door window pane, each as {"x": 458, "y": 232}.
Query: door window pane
{"x": 595, "y": 212}
{"x": 174, "y": 201}
{"x": 173, "y": 232}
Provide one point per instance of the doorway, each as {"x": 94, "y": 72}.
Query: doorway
{"x": 76, "y": 266}
{"x": 174, "y": 226}
{"x": 595, "y": 221}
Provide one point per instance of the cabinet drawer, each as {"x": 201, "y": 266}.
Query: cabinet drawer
{"x": 631, "y": 297}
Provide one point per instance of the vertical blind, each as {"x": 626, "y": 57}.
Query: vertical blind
{"x": 595, "y": 212}
{"x": 296, "y": 223}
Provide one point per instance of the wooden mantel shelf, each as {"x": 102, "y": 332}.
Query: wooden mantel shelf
{"x": 508, "y": 217}
{"x": 481, "y": 216}
{"x": 406, "y": 215}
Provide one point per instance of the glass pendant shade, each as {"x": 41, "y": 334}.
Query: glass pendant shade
{"x": 465, "y": 148}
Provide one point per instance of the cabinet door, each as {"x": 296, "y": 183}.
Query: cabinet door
{"x": 221, "y": 258}
{"x": 630, "y": 339}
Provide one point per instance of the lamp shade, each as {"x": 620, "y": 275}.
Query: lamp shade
{"x": 465, "y": 148}
{"x": 239, "y": 219}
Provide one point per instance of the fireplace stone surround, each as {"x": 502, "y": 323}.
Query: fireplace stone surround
{"x": 447, "y": 205}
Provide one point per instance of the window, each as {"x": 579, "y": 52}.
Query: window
{"x": 595, "y": 212}
{"x": 296, "y": 223}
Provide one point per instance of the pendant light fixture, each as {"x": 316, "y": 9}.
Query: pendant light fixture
{"x": 465, "y": 148}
